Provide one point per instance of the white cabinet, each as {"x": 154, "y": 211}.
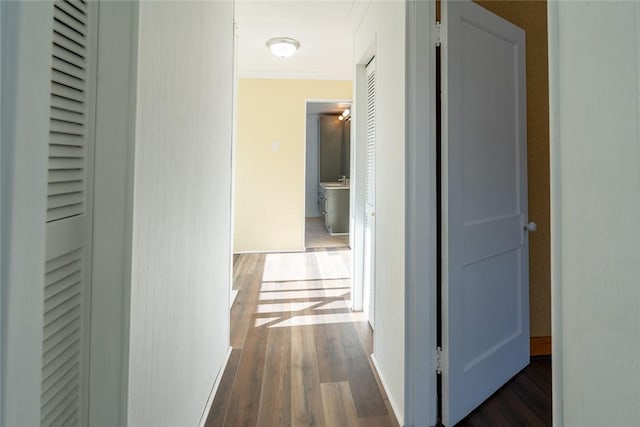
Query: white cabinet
{"x": 334, "y": 205}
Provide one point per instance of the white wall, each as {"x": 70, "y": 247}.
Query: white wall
{"x": 26, "y": 74}
{"x": 311, "y": 196}
{"x": 181, "y": 225}
{"x": 595, "y": 206}
{"x": 383, "y": 30}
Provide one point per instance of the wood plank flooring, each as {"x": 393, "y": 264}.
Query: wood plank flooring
{"x": 317, "y": 236}
{"x": 300, "y": 355}
{"x": 523, "y": 401}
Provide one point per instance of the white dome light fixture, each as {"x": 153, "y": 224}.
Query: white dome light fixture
{"x": 283, "y": 47}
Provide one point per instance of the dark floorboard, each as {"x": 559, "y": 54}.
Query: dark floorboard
{"x": 523, "y": 401}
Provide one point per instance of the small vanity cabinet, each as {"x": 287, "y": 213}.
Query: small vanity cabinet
{"x": 334, "y": 205}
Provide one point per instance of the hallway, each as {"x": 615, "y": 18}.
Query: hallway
{"x": 300, "y": 356}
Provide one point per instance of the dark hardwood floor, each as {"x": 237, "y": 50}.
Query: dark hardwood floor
{"x": 300, "y": 356}
{"x": 523, "y": 401}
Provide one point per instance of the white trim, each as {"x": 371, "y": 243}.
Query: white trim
{"x": 269, "y": 251}
{"x": 357, "y": 179}
{"x": 2, "y": 261}
{"x": 304, "y": 181}
{"x": 393, "y": 404}
{"x": 357, "y": 13}
{"x": 555, "y": 213}
{"x": 25, "y": 109}
{"x": 112, "y": 233}
{"x": 214, "y": 389}
{"x": 290, "y": 76}
{"x": 420, "y": 217}
{"x": 234, "y": 144}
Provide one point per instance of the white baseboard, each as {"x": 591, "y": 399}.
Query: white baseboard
{"x": 271, "y": 251}
{"x": 234, "y": 295}
{"x": 394, "y": 406}
{"x": 212, "y": 395}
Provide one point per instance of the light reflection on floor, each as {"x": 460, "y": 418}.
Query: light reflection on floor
{"x": 306, "y": 288}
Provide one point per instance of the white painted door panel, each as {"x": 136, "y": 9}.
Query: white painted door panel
{"x": 485, "y": 245}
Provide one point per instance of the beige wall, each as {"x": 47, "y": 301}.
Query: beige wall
{"x": 270, "y": 160}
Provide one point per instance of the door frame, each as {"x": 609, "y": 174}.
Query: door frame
{"x": 304, "y": 184}
{"x": 357, "y": 202}
{"x": 421, "y": 259}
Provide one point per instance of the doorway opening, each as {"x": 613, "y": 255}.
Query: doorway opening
{"x": 327, "y": 173}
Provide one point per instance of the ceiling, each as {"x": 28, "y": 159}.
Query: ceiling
{"x": 321, "y": 26}
{"x": 327, "y": 107}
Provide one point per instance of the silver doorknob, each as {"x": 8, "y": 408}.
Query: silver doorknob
{"x": 531, "y": 226}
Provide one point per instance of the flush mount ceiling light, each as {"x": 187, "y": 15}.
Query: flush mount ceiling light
{"x": 283, "y": 47}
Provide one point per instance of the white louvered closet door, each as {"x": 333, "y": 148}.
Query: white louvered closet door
{"x": 370, "y": 197}
{"x": 66, "y": 341}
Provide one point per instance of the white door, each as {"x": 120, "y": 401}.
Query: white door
{"x": 485, "y": 295}
{"x": 370, "y": 197}
{"x": 69, "y": 215}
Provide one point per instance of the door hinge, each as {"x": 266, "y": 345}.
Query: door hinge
{"x": 438, "y": 34}
{"x": 438, "y": 360}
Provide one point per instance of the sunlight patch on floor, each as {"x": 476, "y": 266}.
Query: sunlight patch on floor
{"x": 306, "y": 284}
{"x": 298, "y": 266}
{"x": 321, "y": 293}
{"x": 321, "y": 319}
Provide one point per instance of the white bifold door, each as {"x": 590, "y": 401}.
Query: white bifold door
{"x": 485, "y": 294}
{"x": 368, "y": 303}
{"x": 67, "y": 289}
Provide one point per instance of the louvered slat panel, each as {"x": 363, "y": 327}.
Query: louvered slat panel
{"x": 70, "y": 15}
{"x": 69, "y": 57}
{"x": 72, "y": 34}
{"x": 65, "y": 176}
{"x": 81, "y": 5}
{"x": 55, "y": 277}
{"x": 69, "y": 45}
{"x": 370, "y": 135}
{"x": 63, "y": 260}
{"x": 65, "y": 331}
{"x": 59, "y": 126}
{"x": 63, "y": 212}
{"x": 58, "y": 188}
{"x": 57, "y": 378}
{"x": 67, "y": 116}
{"x": 67, "y": 92}
{"x": 66, "y": 20}
{"x": 61, "y": 103}
{"x": 64, "y": 416}
{"x": 68, "y": 111}
{"x": 64, "y": 67}
{"x": 71, "y": 9}
{"x": 62, "y": 339}
{"x": 68, "y": 80}
{"x": 62, "y": 200}
{"x": 66, "y": 151}
{"x": 65, "y": 163}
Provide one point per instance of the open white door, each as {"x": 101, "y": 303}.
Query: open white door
{"x": 485, "y": 289}
{"x": 368, "y": 304}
